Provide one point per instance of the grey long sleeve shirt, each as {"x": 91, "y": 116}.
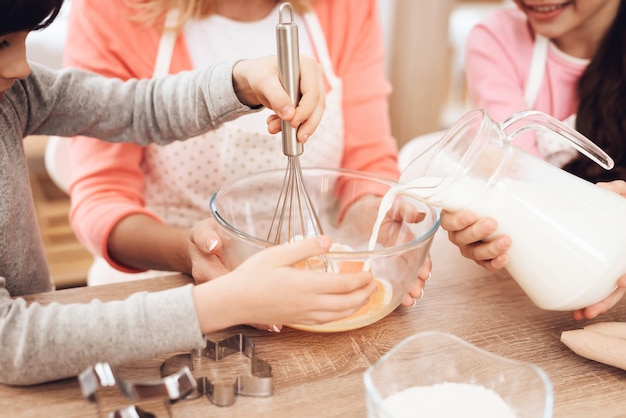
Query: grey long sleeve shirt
{"x": 43, "y": 343}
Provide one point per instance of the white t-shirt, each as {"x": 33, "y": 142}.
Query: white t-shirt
{"x": 206, "y": 45}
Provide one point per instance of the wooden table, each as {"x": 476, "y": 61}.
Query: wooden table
{"x": 320, "y": 375}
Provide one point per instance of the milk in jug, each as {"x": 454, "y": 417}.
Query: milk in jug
{"x": 568, "y": 235}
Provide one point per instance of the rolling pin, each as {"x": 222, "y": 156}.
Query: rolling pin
{"x": 604, "y": 342}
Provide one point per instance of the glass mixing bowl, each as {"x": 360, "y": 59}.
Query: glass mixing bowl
{"x": 344, "y": 202}
{"x": 455, "y": 375}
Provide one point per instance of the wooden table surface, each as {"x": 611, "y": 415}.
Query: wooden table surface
{"x": 321, "y": 375}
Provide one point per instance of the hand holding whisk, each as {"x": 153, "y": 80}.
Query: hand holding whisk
{"x": 294, "y": 217}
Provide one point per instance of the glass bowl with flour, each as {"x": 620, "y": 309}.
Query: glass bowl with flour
{"x": 434, "y": 374}
{"x": 347, "y": 204}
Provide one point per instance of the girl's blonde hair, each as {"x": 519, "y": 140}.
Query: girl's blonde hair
{"x": 150, "y": 11}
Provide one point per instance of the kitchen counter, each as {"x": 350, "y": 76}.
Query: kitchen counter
{"x": 321, "y": 375}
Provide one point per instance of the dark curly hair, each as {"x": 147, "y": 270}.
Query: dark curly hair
{"x": 20, "y": 15}
{"x": 601, "y": 114}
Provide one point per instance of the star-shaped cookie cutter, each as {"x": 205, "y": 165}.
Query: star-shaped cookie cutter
{"x": 257, "y": 383}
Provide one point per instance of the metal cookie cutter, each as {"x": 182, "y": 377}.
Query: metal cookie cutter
{"x": 171, "y": 388}
{"x": 257, "y": 383}
{"x": 92, "y": 379}
{"x": 131, "y": 411}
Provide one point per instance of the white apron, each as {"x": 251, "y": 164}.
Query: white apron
{"x": 181, "y": 177}
{"x": 553, "y": 149}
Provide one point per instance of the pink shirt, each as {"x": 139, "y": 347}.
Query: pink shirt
{"x": 108, "y": 179}
{"x": 499, "y": 51}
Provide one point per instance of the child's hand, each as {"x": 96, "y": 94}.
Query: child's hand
{"x": 472, "y": 236}
{"x": 604, "y": 305}
{"x": 416, "y": 291}
{"x": 616, "y": 186}
{"x": 267, "y": 289}
{"x": 590, "y": 312}
{"x": 468, "y": 233}
{"x": 257, "y": 82}
{"x": 204, "y": 252}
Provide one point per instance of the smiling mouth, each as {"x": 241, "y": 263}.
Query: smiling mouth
{"x": 546, "y": 8}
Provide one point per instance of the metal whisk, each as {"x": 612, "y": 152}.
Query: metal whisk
{"x": 294, "y": 217}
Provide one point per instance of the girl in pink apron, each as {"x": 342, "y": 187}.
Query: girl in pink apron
{"x": 577, "y": 75}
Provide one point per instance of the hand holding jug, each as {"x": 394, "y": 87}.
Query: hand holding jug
{"x": 567, "y": 233}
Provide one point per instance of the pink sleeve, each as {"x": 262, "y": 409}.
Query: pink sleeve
{"x": 107, "y": 186}
{"x": 358, "y": 57}
{"x": 498, "y": 56}
{"x": 107, "y": 180}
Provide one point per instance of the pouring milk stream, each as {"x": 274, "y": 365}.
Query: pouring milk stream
{"x": 569, "y": 235}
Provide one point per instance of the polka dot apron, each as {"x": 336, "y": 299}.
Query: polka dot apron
{"x": 181, "y": 177}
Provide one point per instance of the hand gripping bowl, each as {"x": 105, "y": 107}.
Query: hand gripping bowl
{"x": 347, "y": 208}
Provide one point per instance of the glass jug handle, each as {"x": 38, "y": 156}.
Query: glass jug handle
{"x": 533, "y": 119}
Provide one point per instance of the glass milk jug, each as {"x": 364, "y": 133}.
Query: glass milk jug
{"x": 568, "y": 235}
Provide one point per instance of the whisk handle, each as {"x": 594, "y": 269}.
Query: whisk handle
{"x": 289, "y": 72}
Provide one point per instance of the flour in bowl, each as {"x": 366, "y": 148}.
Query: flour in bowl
{"x": 449, "y": 400}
